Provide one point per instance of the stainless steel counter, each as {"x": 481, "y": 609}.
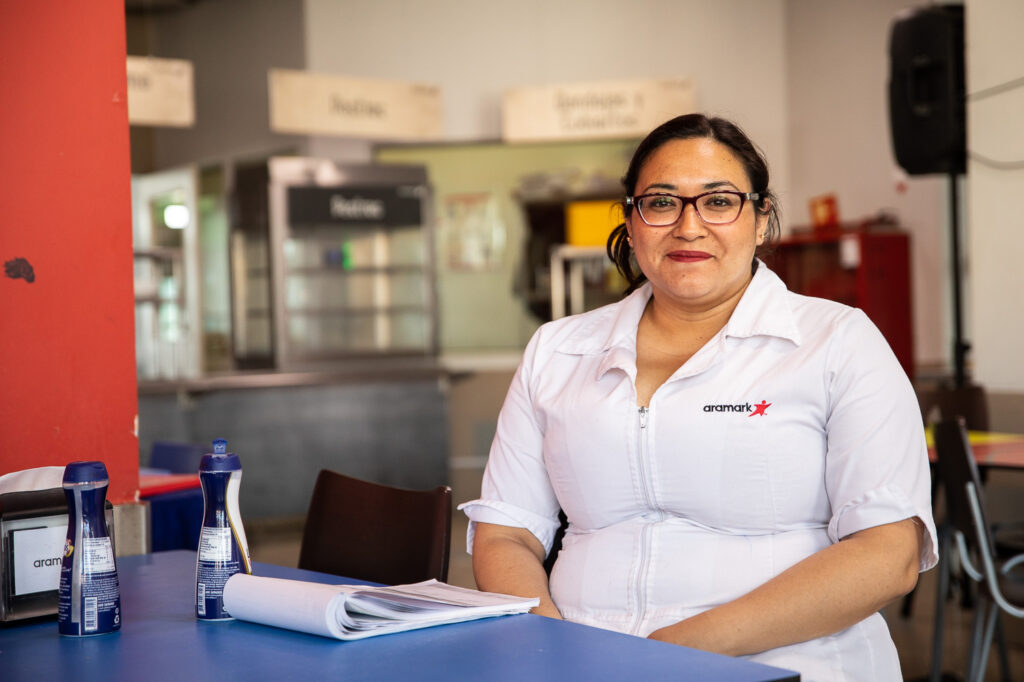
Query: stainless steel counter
{"x": 360, "y": 372}
{"x": 382, "y": 421}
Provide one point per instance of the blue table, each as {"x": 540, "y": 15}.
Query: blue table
{"x": 161, "y": 640}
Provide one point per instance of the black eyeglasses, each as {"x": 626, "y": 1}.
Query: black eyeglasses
{"x": 715, "y": 208}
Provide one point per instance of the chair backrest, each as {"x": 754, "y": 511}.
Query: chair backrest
{"x": 968, "y": 402}
{"x": 956, "y": 468}
{"x": 375, "y": 532}
{"x": 178, "y": 458}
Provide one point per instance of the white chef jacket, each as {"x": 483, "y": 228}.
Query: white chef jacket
{"x": 792, "y": 428}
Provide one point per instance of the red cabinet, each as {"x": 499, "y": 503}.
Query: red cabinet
{"x": 868, "y": 268}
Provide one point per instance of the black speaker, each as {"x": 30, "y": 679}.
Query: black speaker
{"x": 926, "y": 90}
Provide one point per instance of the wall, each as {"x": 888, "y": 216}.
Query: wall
{"x": 733, "y": 51}
{"x": 67, "y": 349}
{"x": 486, "y": 309}
{"x": 807, "y": 79}
{"x": 995, "y": 219}
{"x": 476, "y": 51}
{"x": 839, "y": 140}
{"x": 231, "y": 43}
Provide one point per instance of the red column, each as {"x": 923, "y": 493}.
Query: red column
{"x": 67, "y": 349}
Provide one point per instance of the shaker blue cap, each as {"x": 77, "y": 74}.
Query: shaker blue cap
{"x": 220, "y": 446}
{"x": 85, "y": 472}
{"x": 217, "y": 461}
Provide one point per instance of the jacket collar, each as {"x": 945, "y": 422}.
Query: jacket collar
{"x": 764, "y": 310}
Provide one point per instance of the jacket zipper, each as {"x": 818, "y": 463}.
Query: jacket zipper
{"x": 641, "y": 456}
{"x": 640, "y": 582}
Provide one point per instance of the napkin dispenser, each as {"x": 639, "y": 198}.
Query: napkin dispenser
{"x": 33, "y": 527}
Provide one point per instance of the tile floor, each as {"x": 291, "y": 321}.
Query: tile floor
{"x": 277, "y": 542}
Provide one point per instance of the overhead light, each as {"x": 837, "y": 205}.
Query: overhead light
{"x": 176, "y": 216}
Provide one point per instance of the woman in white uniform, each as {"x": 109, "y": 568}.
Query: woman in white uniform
{"x": 743, "y": 469}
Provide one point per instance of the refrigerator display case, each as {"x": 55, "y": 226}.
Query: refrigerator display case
{"x": 351, "y": 266}
{"x": 165, "y": 242}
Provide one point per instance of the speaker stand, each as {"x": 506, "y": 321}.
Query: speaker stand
{"x": 961, "y": 397}
{"x": 960, "y": 347}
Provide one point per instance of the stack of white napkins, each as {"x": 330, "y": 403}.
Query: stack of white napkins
{"x": 358, "y": 611}
{"x": 40, "y": 478}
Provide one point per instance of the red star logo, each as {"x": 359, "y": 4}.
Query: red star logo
{"x": 760, "y": 408}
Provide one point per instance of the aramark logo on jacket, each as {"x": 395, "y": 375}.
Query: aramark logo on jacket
{"x": 752, "y": 410}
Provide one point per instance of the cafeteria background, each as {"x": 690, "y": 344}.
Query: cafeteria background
{"x": 807, "y": 79}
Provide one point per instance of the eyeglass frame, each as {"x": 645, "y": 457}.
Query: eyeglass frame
{"x": 744, "y": 196}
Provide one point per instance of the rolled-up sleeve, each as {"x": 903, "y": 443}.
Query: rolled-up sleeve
{"x": 516, "y": 490}
{"x": 877, "y": 464}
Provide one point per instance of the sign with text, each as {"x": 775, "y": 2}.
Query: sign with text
{"x": 318, "y": 104}
{"x": 160, "y": 92}
{"x": 37, "y": 557}
{"x": 588, "y": 111}
{"x": 388, "y": 206}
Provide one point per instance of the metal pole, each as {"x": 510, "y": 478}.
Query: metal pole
{"x": 959, "y": 346}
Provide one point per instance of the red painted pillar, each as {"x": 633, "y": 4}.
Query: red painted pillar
{"x": 67, "y": 349}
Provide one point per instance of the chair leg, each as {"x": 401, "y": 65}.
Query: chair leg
{"x": 974, "y": 650}
{"x": 981, "y": 657}
{"x": 968, "y": 587}
{"x": 1004, "y": 659}
{"x": 986, "y": 647}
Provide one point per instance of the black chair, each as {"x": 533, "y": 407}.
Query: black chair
{"x": 378, "y": 533}
{"x": 968, "y": 402}
{"x": 556, "y": 544}
{"x": 977, "y": 544}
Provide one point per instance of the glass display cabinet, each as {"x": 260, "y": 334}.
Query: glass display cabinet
{"x": 351, "y": 262}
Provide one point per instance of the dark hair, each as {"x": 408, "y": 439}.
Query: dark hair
{"x": 681, "y": 128}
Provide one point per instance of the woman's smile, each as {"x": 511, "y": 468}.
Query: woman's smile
{"x": 689, "y": 256}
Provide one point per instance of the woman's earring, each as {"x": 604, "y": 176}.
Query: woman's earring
{"x": 629, "y": 240}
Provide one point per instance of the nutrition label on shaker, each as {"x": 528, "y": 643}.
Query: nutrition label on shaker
{"x": 97, "y": 555}
{"x": 215, "y": 545}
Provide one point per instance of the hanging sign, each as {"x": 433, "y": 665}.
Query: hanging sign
{"x": 318, "y": 104}
{"x": 160, "y": 92}
{"x": 588, "y": 111}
